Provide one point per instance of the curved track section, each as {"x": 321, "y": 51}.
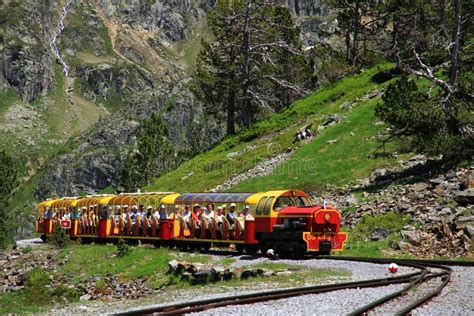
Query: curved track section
{"x": 427, "y": 270}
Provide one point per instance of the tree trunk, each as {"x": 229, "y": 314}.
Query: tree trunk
{"x": 348, "y": 46}
{"x": 231, "y": 112}
{"x": 246, "y": 68}
{"x": 453, "y": 72}
{"x": 355, "y": 39}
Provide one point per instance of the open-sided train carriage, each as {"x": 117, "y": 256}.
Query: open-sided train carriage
{"x": 116, "y": 219}
{"x": 50, "y": 213}
{"x": 204, "y": 232}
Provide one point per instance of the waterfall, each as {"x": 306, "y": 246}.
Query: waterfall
{"x": 53, "y": 45}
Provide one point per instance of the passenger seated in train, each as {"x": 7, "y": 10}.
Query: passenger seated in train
{"x": 66, "y": 215}
{"x": 149, "y": 216}
{"x": 178, "y": 211}
{"x": 208, "y": 214}
{"x": 163, "y": 214}
{"x": 232, "y": 215}
{"x": 196, "y": 214}
{"x": 149, "y": 213}
{"x": 55, "y": 214}
{"x": 47, "y": 213}
{"x": 220, "y": 217}
{"x": 246, "y": 214}
{"x": 187, "y": 215}
{"x": 141, "y": 211}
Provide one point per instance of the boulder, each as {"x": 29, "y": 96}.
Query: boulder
{"x": 173, "y": 266}
{"x": 469, "y": 231}
{"x": 465, "y": 197}
{"x": 331, "y": 119}
{"x": 412, "y": 236}
{"x": 284, "y": 273}
{"x": 346, "y": 106}
{"x": 379, "y": 233}
{"x": 85, "y": 297}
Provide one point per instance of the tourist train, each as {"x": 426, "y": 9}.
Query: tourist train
{"x": 283, "y": 220}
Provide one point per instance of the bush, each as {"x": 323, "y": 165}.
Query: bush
{"x": 39, "y": 290}
{"x": 122, "y": 248}
{"x": 61, "y": 291}
{"x": 60, "y": 237}
{"x": 37, "y": 286}
{"x": 431, "y": 124}
{"x": 100, "y": 286}
{"x": 27, "y": 249}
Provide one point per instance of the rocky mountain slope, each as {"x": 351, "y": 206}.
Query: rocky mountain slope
{"x": 126, "y": 60}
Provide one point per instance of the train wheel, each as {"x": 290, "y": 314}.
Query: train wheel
{"x": 206, "y": 246}
{"x": 193, "y": 246}
{"x": 239, "y": 248}
{"x": 263, "y": 248}
{"x": 251, "y": 249}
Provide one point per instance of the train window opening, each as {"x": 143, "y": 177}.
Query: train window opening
{"x": 281, "y": 202}
{"x": 260, "y": 205}
{"x": 301, "y": 201}
{"x": 268, "y": 204}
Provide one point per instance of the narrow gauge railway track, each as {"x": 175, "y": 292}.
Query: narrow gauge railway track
{"x": 413, "y": 279}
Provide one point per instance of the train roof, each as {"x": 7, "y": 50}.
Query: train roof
{"x": 146, "y": 198}
{"x": 149, "y": 198}
{"x": 211, "y": 198}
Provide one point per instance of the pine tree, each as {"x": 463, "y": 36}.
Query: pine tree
{"x": 253, "y": 64}
{"x": 153, "y": 156}
{"x": 9, "y": 175}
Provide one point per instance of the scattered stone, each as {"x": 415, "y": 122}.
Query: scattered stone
{"x": 284, "y": 273}
{"x": 379, "y": 233}
{"x": 346, "y": 106}
{"x": 465, "y": 197}
{"x": 173, "y": 266}
{"x": 85, "y": 297}
{"x": 412, "y": 236}
{"x": 332, "y": 119}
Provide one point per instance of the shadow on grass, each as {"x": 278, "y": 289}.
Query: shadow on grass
{"x": 417, "y": 173}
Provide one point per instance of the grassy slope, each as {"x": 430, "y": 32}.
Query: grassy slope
{"x": 314, "y": 164}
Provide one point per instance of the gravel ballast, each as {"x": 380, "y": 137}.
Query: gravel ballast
{"x": 457, "y": 298}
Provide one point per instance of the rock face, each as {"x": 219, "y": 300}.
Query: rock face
{"x": 25, "y": 62}
{"x": 124, "y": 56}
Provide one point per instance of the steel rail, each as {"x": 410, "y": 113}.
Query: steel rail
{"x": 413, "y": 279}
{"x": 445, "y": 275}
{"x": 195, "y": 306}
{"x": 433, "y": 262}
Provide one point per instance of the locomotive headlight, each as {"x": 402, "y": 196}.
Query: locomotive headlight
{"x": 327, "y": 217}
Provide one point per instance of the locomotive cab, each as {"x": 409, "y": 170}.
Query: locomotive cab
{"x": 287, "y": 221}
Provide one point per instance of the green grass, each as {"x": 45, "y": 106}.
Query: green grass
{"x": 359, "y": 243}
{"x": 8, "y": 97}
{"x": 314, "y": 164}
{"x": 38, "y": 294}
{"x": 102, "y": 260}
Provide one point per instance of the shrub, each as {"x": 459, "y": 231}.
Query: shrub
{"x": 37, "y": 286}
{"x": 122, "y": 248}
{"x": 67, "y": 294}
{"x": 27, "y": 249}
{"x": 59, "y": 238}
{"x": 100, "y": 286}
